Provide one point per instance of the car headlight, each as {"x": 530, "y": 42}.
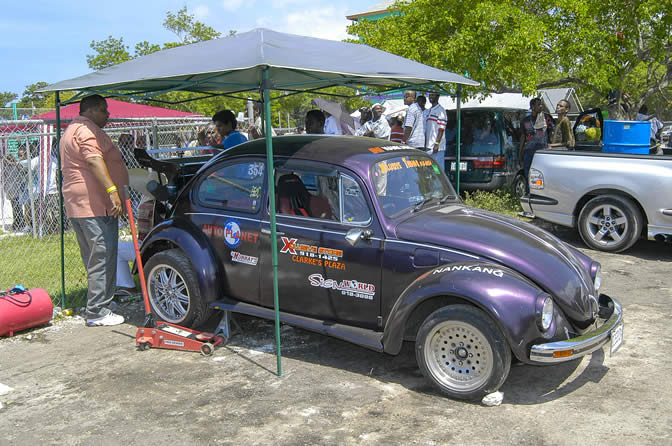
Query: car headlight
{"x": 545, "y": 316}
{"x": 536, "y": 179}
{"x": 597, "y": 281}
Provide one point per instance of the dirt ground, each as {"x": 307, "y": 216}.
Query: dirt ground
{"x": 69, "y": 384}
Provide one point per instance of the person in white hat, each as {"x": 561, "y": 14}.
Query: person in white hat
{"x": 377, "y": 127}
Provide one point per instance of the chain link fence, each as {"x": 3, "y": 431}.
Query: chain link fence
{"x": 30, "y": 211}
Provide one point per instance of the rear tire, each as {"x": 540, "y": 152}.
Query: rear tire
{"x": 172, "y": 286}
{"x": 610, "y": 223}
{"x": 462, "y": 352}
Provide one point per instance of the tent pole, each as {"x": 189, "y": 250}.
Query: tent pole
{"x": 271, "y": 199}
{"x": 57, "y": 105}
{"x": 457, "y": 138}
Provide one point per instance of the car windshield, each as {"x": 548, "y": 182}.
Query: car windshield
{"x": 409, "y": 182}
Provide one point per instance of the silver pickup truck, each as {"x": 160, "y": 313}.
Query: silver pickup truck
{"x": 612, "y": 198}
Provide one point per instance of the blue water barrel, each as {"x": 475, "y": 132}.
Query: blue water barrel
{"x": 626, "y": 136}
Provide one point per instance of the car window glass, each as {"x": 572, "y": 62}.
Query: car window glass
{"x": 479, "y": 133}
{"x": 355, "y": 209}
{"x": 308, "y": 195}
{"x": 401, "y": 183}
{"x": 234, "y": 186}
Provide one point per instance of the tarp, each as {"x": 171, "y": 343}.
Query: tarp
{"x": 120, "y": 109}
{"x": 237, "y": 63}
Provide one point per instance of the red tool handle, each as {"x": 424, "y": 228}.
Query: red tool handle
{"x": 136, "y": 245}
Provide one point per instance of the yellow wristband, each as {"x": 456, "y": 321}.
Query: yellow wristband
{"x": 111, "y": 189}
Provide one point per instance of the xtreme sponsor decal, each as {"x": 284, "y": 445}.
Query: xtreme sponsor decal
{"x": 311, "y": 254}
{"x": 352, "y": 288}
{"x": 231, "y": 233}
{"x": 243, "y": 258}
{"x": 478, "y": 269}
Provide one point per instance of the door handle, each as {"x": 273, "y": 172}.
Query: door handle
{"x": 268, "y": 232}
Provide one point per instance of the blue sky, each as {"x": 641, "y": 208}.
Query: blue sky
{"x": 49, "y": 40}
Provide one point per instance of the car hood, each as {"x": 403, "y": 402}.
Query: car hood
{"x": 533, "y": 252}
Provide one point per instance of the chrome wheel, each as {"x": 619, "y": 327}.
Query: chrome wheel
{"x": 607, "y": 225}
{"x": 610, "y": 223}
{"x": 169, "y": 293}
{"x": 459, "y": 355}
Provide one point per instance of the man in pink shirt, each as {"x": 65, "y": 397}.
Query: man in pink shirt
{"x": 94, "y": 176}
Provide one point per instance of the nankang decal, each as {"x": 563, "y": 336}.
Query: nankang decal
{"x": 475, "y": 269}
{"x": 243, "y": 258}
{"x": 352, "y": 288}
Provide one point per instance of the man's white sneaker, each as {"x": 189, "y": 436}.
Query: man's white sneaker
{"x": 108, "y": 319}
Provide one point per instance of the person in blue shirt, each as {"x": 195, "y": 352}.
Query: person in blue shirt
{"x": 225, "y": 123}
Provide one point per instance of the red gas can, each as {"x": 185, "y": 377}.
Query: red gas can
{"x": 24, "y": 309}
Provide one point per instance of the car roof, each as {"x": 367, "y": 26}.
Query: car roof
{"x": 354, "y": 152}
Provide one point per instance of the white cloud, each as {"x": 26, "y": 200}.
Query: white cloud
{"x": 325, "y": 23}
{"x": 234, "y": 5}
{"x": 201, "y": 12}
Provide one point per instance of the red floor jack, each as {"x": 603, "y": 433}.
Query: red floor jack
{"x": 161, "y": 334}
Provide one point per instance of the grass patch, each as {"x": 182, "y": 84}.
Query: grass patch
{"x": 36, "y": 263}
{"x": 502, "y": 201}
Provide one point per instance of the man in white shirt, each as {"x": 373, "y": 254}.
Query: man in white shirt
{"x": 414, "y": 126}
{"x": 331, "y": 125}
{"x": 434, "y": 129}
{"x": 377, "y": 126}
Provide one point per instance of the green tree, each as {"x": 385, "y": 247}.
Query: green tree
{"x": 187, "y": 29}
{"x": 623, "y": 46}
{"x": 31, "y": 98}
{"x": 110, "y": 51}
{"x": 6, "y": 97}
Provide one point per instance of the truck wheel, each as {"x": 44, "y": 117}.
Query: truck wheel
{"x": 462, "y": 352}
{"x": 520, "y": 186}
{"x": 610, "y": 223}
{"x": 174, "y": 294}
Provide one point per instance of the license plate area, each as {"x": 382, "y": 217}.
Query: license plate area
{"x": 463, "y": 166}
{"x": 616, "y": 338}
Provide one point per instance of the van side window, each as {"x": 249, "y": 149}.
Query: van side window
{"x": 511, "y": 121}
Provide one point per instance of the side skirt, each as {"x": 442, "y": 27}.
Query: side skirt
{"x": 360, "y": 336}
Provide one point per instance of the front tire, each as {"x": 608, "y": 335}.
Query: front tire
{"x": 610, "y": 223}
{"x": 462, "y": 352}
{"x": 519, "y": 185}
{"x": 172, "y": 286}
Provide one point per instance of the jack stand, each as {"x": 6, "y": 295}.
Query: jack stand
{"x": 224, "y": 327}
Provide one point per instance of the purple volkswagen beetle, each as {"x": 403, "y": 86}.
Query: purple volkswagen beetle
{"x": 374, "y": 247}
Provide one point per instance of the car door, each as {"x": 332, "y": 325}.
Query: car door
{"x": 227, "y": 208}
{"x": 320, "y": 274}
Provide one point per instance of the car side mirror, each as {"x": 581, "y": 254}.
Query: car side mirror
{"x": 356, "y": 234}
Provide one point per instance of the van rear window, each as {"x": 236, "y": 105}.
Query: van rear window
{"x": 479, "y": 133}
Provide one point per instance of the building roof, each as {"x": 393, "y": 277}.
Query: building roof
{"x": 379, "y": 8}
{"x": 120, "y": 109}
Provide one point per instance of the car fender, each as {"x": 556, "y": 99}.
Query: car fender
{"x": 189, "y": 239}
{"x": 506, "y": 296}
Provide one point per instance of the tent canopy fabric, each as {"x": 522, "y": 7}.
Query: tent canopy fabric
{"x": 237, "y": 63}
{"x": 120, "y": 109}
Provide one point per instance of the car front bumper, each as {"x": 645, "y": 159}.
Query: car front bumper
{"x": 610, "y": 331}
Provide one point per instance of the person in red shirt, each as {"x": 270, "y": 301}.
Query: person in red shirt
{"x": 397, "y": 129}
